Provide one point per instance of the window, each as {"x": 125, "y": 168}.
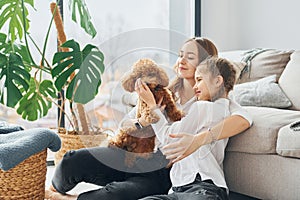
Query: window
{"x": 127, "y": 31}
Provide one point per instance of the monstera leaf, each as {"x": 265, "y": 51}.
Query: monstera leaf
{"x": 86, "y": 66}
{"x": 35, "y": 103}
{"x": 7, "y": 46}
{"x": 84, "y": 16}
{"x": 15, "y": 77}
{"x": 11, "y": 13}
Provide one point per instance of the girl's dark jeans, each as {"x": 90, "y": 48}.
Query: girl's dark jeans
{"x": 105, "y": 167}
{"x": 198, "y": 190}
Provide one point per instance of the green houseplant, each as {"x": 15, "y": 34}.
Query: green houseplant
{"x": 30, "y": 86}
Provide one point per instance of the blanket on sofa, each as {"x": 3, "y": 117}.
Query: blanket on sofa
{"x": 248, "y": 56}
{"x": 17, "y": 146}
{"x": 8, "y": 128}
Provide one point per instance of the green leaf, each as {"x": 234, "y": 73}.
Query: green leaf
{"x": 15, "y": 77}
{"x": 47, "y": 89}
{"x": 2, "y": 38}
{"x": 84, "y": 16}
{"x": 87, "y": 66}
{"x": 11, "y": 13}
{"x": 3, "y": 60}
{"x": 34, "y": 105}
{"x": 7, "y": 47}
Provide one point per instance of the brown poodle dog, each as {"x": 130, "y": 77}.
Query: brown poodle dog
{"x": 142, "y": 141}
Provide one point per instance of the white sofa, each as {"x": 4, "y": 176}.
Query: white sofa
{"x": 264, "y": 161}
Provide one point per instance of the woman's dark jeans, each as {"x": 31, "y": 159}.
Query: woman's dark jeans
{"x": 105, "y": 167}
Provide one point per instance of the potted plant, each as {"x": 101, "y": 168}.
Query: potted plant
{"x": 31, "y": 86}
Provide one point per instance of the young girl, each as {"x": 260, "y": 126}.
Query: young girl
{"x": 193, "y": 50}
{"x": 200, "y": 175}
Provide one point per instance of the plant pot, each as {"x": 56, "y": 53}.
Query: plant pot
{"x": 26, "y": 181}
{"x": 74, "y": 142}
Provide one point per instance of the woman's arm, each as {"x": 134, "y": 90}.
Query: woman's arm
{"x": 188, "y": 143}
{"x": 143, "y": 92}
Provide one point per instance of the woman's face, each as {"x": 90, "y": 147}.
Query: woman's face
{"x": 205, "y": 86}
{"x": 187, "y": 61}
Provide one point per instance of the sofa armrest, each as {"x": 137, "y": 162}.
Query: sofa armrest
{"x": 288, "y": 142}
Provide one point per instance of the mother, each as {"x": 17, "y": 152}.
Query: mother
{"x": 104, "y": 166}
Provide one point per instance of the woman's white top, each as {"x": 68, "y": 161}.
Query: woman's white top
{"x": 208, "y": 159}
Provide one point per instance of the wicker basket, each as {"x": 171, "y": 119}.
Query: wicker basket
{"x": 26, "y": 180}
{"x": 73, "y": 142}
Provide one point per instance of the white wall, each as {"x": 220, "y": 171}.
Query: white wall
{"x": 244, "y": 24}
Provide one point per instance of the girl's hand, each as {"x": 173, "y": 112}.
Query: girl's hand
{"x": 182, "y": 148}
{"x": 145, "y": 93}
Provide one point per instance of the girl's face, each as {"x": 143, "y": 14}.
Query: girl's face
{"x": 188, "y": 59}
{"x": 205, "y": 85}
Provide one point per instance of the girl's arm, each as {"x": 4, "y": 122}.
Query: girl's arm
{"x": 192, "y": 122}
{"x": 189, "y": 143}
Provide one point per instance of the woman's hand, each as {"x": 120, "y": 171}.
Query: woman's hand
{"x": 185, "y": 146}
{"x": 145, "y": 93}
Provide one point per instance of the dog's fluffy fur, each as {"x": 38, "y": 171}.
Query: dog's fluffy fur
{"x": 142, "y": 141}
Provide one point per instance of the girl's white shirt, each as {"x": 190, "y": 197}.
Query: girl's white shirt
{"x": 234, "y": 107}
{"x": 207, "y": 160}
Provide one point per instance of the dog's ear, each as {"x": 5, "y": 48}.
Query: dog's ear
{"x": 128, "y": 82}
{"x": 164, "y": 79}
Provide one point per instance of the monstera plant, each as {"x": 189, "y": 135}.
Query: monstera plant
{"x": 32, "y": 87}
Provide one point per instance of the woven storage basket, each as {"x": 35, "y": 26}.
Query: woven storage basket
{"x": 26, "y": 181}
{"x": 73, "y": 142}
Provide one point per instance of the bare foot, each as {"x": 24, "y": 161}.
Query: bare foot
{"x": 52, "y": 188}
{"x": 52, "y": 194}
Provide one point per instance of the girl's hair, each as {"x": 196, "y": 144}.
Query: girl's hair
{"x": 205, "y": 48}
{"x": 219, "y": 66}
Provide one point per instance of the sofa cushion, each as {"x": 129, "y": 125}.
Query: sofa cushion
{"x": 265, "y": 63}
{"x": 288, "y": 142}
{"x": 238, "y": 66}
{"x": 261, "y": 137}
{"x": 263, "y": 92}
{"x": 290, "y": 80}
